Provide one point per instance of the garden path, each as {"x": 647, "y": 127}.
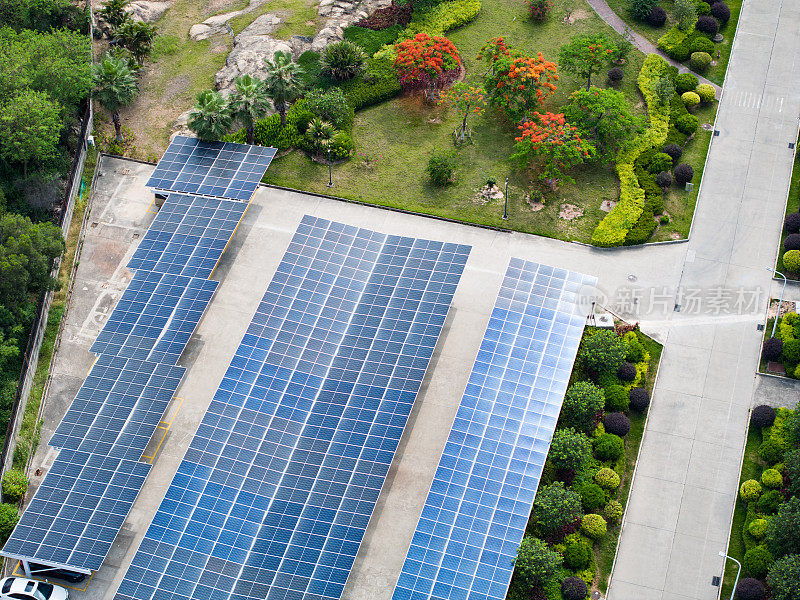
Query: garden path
{"x": 609, "y": 16}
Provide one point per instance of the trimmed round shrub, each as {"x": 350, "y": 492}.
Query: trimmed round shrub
{"x": 791, "y": 260}
{"x": 574, "y": 588}
{"x": 792, "y": 242}
{"x": 674, "y": 151}
{"x": 791, "y": 351}
{"x": 700, "y": 61}
{"x": 791, "y": 224}
{"x": 750, "y": 490}
{"x": 640, "y": 399}
{"x": 576, "y": 556}
{"x": 661, "y": 161}
{"x": 627, "y": 372}
{"x": 615, "y": 75}
{"x": 758, "y": 528}
{"x": 593, "y": 526}
{"x": 772, "y": 349}
{"x": 342, "y": 60}
{"x": 592, "y": 496}
{"x": 703, "y": 8}
{"x": 703, "y": 44}
{"x": 721, "y": 11}
{"x": 609, "y": 447}
{"x": 683, "y": 173}
{"x": 772, "y": 479}
{"x": 687, "y": 124}
{"x": 613, "y": 511}
{"x": 706, "y": 92}
{"x": 607, "y": 478}
{"x": 762, "y": 416}
{"x": 9, "y": 516}
{"x": 617, "y": 423}
{"x": 686, "y": 82}
{"x": 771, "y": 452}
{"x": 15, "y": 484}
{"x": 664, "y": 179}
{"x": 769, "y": 502}
{"x": 757, "y": 561}
{"x": 441, "y": 169}
{"x": 750, "y": 589}
{"x": 657, "y": 17}
{"x": 690, "y": 99}
{"x": 708, "y": 25}
{"x": 616, "y": 398}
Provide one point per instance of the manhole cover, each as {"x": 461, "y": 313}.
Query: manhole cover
{"x": 707, "y": 126}
{"x": 632, "y": 277}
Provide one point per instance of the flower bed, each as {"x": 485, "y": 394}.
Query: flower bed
{"x": 784, "y": 348}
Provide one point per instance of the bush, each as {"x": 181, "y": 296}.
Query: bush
{"x": 576, "y": 555}
{"x": 683, "y": 173}
{"x": 784, "y": 578}
{"x": 792, "y": 465}
{"x": 442, "y": 18}
{"x": 641, "y": 9}
{"x": 555, "y": 509}
{"x": 376, "y": 84}
{"x": 700, "y": 61}
{"x": 750, "y": 589}
{"x": 627, "y": 372}
{"x": 657, "y": 17}
{"x": 574, "y": 588}
{"x": 9, "y": 516}
{"x": 582, "y": 406}
{"x": 708, "y": 25}
{"x": 616, "y": 398}
{"x": 674, "y": 151}
{"x": 769, "y": 502}
{"x": 592, "y": 496}
{"x": 791, "y": 351}
{"x": 706, "y": 92}
{"x": 771, "y": 451}
{"x": 661, "y": 161}
{"x": 687, "y": 124}
{"x": 690, "y": 99}
{"x": 615, "y": 75}
{"x": 783, "y": 533}
{"x": 341, "y": 145}
{"x": 441, "y": 169}
{"x": 15, "y": 484}
{"x": 607, "y": 478}
{"x": 604, "y": 351}
{"x": 758, "y": 528}
{"x": 539, "y": 9}
{"x": 569, "y": 449}
{"x": 703, "y": 44}
{"x": 635, "y": 350}
{"x": 791, "y": 260}
{"x": 369, "y": 39}
{"x": 609, "y": 447}
{"x": 721, "y": 11}
{"x": 762, "y": 416}
{"x": 617, "y": 423}
{"x": 613, "y": 511}
{"x": 593, "y": 526}
{"x": 331, "y": 106}
{"x": 686, "y": 82}
{"x": 664, "y": 179}
{"x": 536, "y": 563}
{"x": 757, "y": 561}
{"x": 750, "y": 490}
{"x": 640, "y": 399}
{"x": 342, "y": 60}
{"x": 792, "y": 242}
{"x": 773, "y": 348}
{"x": 791, "y": 224}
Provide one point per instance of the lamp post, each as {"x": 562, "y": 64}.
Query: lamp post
{"x": 780, "y": 300}
{"x": 505, "y": 203}
{"x": 735, "y": 581}
{"x": 330, "y": 174}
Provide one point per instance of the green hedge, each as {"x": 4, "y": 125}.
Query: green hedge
{"x": 371, "y": 40}
{"x": 442, "y": 18}
{"x": 377, "y": 84}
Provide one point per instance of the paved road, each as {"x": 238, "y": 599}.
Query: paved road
{"x": 681, "y": 504}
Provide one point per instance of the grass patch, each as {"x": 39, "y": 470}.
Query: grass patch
{"x": 792, "y": 205}
{"x": 300, "y": 17}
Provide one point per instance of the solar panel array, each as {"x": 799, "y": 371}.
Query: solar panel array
{"x": 83, "y": 500}
{"x": 220, "y": 169}
{"x": 279, "y": 482}
{"x": 476, "y": 511}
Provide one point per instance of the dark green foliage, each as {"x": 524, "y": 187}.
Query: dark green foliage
{"x": 791, "y": 350}
{"x": 762, "y": 416}
{"x": 617, "y": 423}
{"x": 757, "y": 561}
{"x": 664, "y": 179}
{"x": 608, "y": 447}
{"x": 687, "y": 124}
{"x": 636, "y": 351}
{"x": 703, "y": 8}
{"x": 9, "y": 515}
{"x": 574, "y": 588}
{"x": 641, "y": 9}
{"x": 686, "y": 82}
{"x": 703, "y": 44}
{"x": 43, "y": 15}
{"x": 555, "y": 509}
{"x": 569, "y": 449}
{"x": 627, "y": 371}
{"x": 582, "y": 405}
{"x": 341, "y": 60}
{"x": 783, "y": 535}
{"x": 708, "y": 25}
{"x": 331, "y": 106}
{"x": 784, "y": 578}
{"x": 376, "y": 84}
{"x": 721, "y": 11}
{"x": 371, "y": 40}
{"x": 602, "y": 352}
{"x": 592, "y": 498}
{"x": 791, "y": 462}
{"x": 771, "y": 452}
{"x": 536, "y": 563}
{"x": 660, "y": 162}
{"x": 640, "y": 399}
{"x": 657, "y": 17}
{"x": 617, "y": 398}
{"x": 683, "y": 174}
{"x": 615, "y": 75}
{"x": 683, "y": 49}
{"x": 769, "y": 502}
{"x": 441, "y": 168}
{"x": 674, "y": 151}
{"x": 15, "y": 484}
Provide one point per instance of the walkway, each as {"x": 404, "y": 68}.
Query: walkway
{"x": 680, "y": 508}
{"x": 641, "y": 42}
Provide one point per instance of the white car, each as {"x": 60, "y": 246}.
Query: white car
{"x": 19, "y": 588}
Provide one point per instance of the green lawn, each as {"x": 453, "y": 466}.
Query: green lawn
{"x": 792, "y": 205}
{"x": 715, "y": 73}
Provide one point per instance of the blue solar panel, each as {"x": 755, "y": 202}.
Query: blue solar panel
{"x": 221, "y": 169}
{"x": 77, "y": 510}
{"x": 188, "y": 236}
{"x": 277, "y": 487}
{"x": 477, "y": 508}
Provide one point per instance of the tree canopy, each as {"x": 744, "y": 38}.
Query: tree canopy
{"x": 536, "y": 563}
{"x": 30, "y": 124}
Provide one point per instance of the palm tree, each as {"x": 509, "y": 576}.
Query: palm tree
{"x": 320, "y": 133}
{"x": 211, "y": 117}
{"x": 282, "y": 82}
{"x": 115, "y": 86}
{"x": 249, "y": 102}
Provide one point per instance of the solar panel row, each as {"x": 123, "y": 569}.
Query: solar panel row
{"x": 477, "y": 508}
{"x": 277, "y": 487}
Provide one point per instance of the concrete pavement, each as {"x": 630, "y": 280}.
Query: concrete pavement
{"x": 680, "y": 508}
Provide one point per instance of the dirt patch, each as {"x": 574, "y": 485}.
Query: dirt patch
{"x": 576, "y": 15}
{"x": 488, "y": 193}
{"x": 607, "y": 205}
{"x": 570, "y": 212}
{"x": 175, "y": 87}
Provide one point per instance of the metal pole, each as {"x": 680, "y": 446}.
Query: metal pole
{"x": 738, "y": 572}
{"x": 505, "y": 203}
{"x": 330, "y": 175}
{"x": 780, "y": 300}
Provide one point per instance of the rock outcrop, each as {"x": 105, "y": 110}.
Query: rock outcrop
{"x": 147, "y": 10}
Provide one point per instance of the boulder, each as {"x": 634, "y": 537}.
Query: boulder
{"x": 146, "y": 10}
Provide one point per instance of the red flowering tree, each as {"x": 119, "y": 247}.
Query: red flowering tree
{"x": 467, "y": 99}
{"x": 493, "y": 50}
{"x": 549, "y": 137}
{"x": 586, "y": 55}
{"x": 425, "y": 61}
{"x": 517, "y": 84}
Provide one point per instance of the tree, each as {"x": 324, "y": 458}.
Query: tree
{"x": 517, "y": 84}
{"x": 30, "y": 124}
{"x": 331, "y": 105}
{"x": 586, "y": 55}
{"x": 248, "y": 103}
{"x": 536, "y": 563}
{"x": 583, "y": 404}
{"x": 211, "y": 117}
{"x": 783, "y": 534}
{"x": 114, "y": 13}
{"x": 341, "y": 60}
{"x": 319, "y": 134}
{"x": 115, "y": 87}
{"x": 423, "y": 60}
{"x": 556, "y": 509}
{"x": 604, "y": 117}
{"x": 137, "y": 37}
{"x": 603, "y": 352}
{"x": 685, "y": 13}
{"x": 282, "y": 82}
{"x": 784, "y": 578}
{"x": 570, "y": 449}
{"x": 549, "y": 137}
{"x": 466, "y": 99}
